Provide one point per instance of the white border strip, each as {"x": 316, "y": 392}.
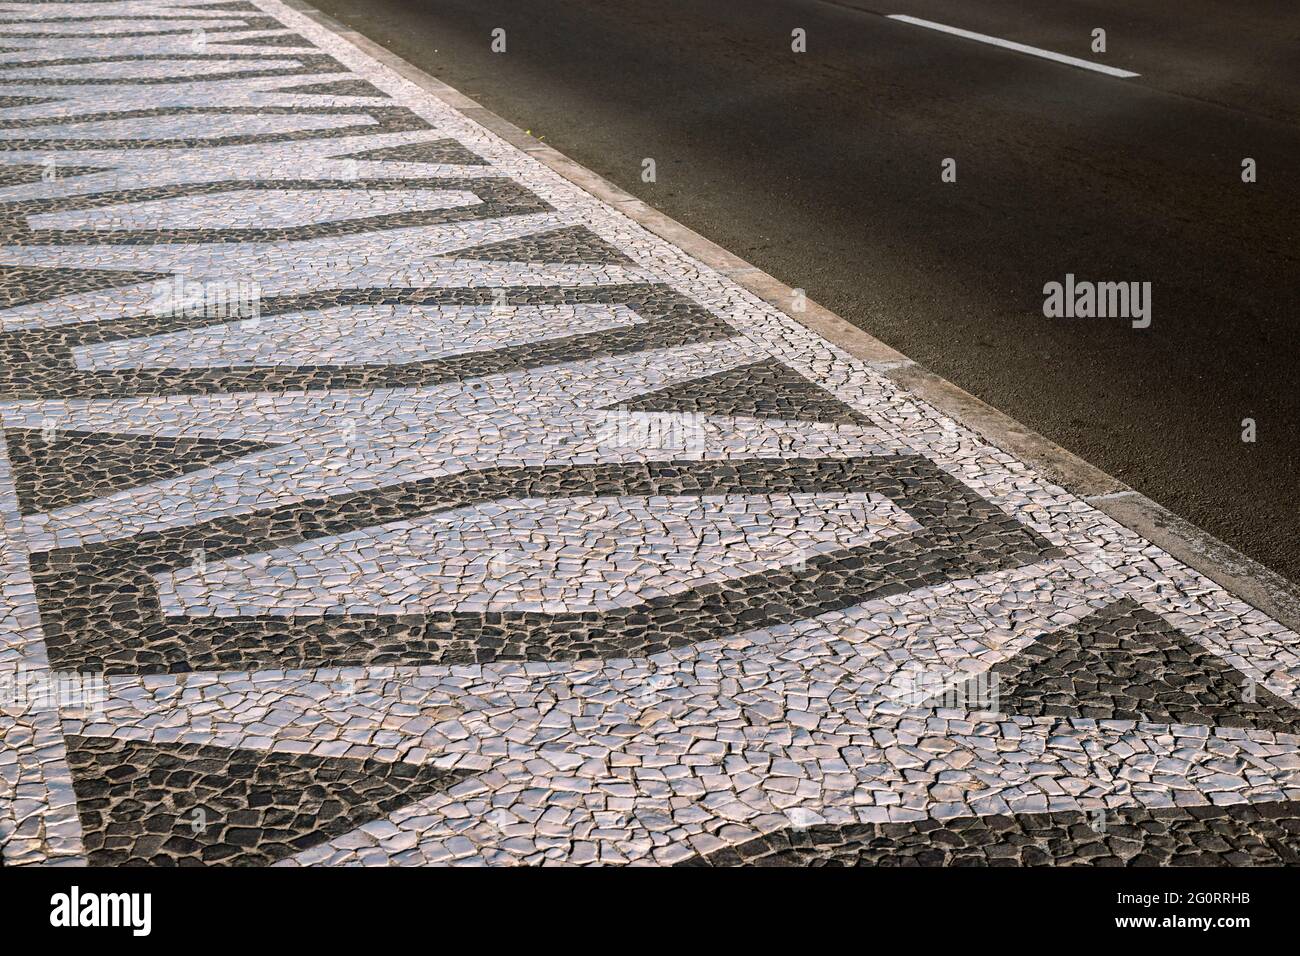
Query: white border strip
{"x": 1018, "y": 47}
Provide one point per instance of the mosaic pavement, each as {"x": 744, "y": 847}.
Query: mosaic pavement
{"x": 404, "y": 504}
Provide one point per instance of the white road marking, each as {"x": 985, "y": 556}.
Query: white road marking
{"x": 1018, "y": 47}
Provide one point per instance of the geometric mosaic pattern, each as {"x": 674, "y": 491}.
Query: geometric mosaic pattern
{"x": 64, "y": 468}
{"x": 1126, "y": 663}
{"x": 412, "y": 506}
{"x": 135, "y": 800}
{"x": 762, "y": 390}
{"x": 1264, "y": 834}
{"x": 136, "y": 606}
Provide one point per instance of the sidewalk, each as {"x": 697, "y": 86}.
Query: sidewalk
{"x": 392, "y": 499}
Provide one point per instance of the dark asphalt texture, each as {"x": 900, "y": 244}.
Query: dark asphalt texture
{"x": 823, "y": 169}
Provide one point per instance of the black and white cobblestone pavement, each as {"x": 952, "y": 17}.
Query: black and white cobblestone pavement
{"x": 501, "y": 531}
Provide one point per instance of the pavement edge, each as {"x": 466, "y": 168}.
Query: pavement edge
{"x": 1243, "y": 577}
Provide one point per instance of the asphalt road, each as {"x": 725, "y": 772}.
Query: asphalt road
{"x": 823, "y": 168}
